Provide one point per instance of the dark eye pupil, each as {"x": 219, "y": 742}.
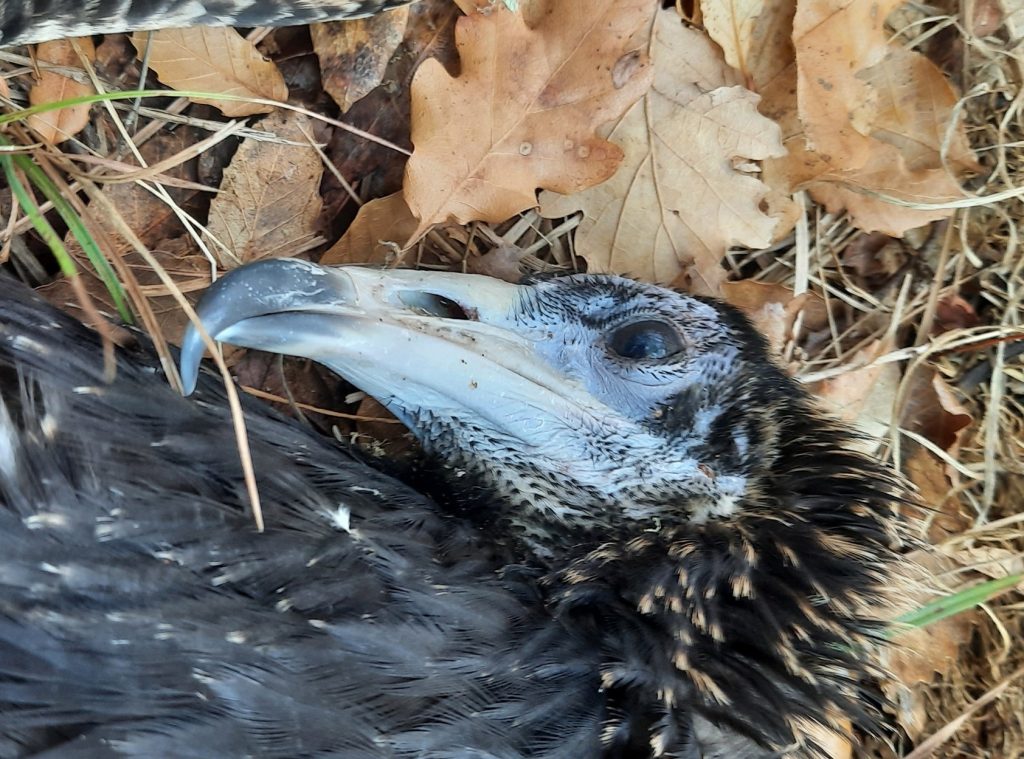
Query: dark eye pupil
{"x": 645, "y": 339}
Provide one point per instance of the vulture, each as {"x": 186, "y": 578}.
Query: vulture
{"x": 630, "y": 533}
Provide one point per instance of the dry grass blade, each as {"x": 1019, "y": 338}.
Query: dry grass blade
{"x": 930, "y": 745}
{"x": 171, "y": 370}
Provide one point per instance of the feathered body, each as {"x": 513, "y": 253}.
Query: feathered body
{"x": 535, "y": 614}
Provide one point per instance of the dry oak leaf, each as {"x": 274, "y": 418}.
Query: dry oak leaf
{"x": 374, "y": 236}
{"x": 155, "y": 223}
{"x": 269, "y": 202}
{"x": 756, "y": 37}
{"x": 149, "y": 217}
{"x": 213, "y": 59}
{"x": 684, "y": 192}
{"x": 932, "y": 410}
{"x": 921, "y": 653}
{"x": 876, "y": 116}
{"x": 53, "y": 127}
{"x": 523, "y": 112}
{"x": 858, "y": 114}
{"x": 354, "y": 54}
{"x": 864, "y": 396}
{"x": 733, "y": 25}
{"x": 774, "y": 309}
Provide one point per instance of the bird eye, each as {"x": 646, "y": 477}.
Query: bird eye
{"x": 645, "y": 339}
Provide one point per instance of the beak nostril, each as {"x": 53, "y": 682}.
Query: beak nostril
{"x": 431, "y": 304}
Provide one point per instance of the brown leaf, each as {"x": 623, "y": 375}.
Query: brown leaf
{"x": 953, "y": 312}
{"x": 733, "y": 26}
{"x": 150, "y": 218}
{"x": 944, "y": 514}
{"x": 918, "y": 656}
{"x": 988, "y": 17}
{"x": 292, "y": 380}
{"x": 774, "y": 309}
{"x": 858, "y": 114}
{"x": 155, "y": 224}
{"x": 862, "y": 115}
{"x": 213, "y": 59}
{"x": 472, "y": 6}
{"x": 864, "y": 397}
{"x": 681, "y": 196}
{"x": 385, "y": 112}
{"x": 933, "y": 411}
{"x": 522, "y": 114}
{"x": 114, "y": 55}
{"x": 354, "y": 54}
{"x": 757, "y": 38}
{"x": 503, "y": 262}
{"x": 380, "y": 227}
{"x": 269, "y": 201}
{"x": 53, "y": 127}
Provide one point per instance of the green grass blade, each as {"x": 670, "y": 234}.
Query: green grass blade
{"x": 968, "y": 598}
{"x": 92, "y": 251}
{"x": 24, "y": 113}
{"x": 28, "y": 205}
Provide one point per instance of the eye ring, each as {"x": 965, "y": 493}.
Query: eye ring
{"x": 646, "y": 339}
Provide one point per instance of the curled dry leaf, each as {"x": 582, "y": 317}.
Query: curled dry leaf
{"x": 923, "y": 653}
{"x": 864, "y": 396}
{"x": 861, "y": 115}
{"x": 154, "y": 222}
{"x": 933, "y": 410}
{"x": 682, "y": 195}
{"x": 987, "y": 18}
{"x": 354, "y": 54}
{"x": 943, "y": 514}
{"x": 523, "y": 112}
{"x": 213, "y": 59}
{"x": 269, "y": 201}
{"x": 179, "y": 259}
{"x": 774, "y": 309}
{"x": 53, "y": 127}
{"x": 374, "y": 236}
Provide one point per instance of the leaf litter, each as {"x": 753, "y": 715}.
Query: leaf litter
{"x": 807, "y": 161}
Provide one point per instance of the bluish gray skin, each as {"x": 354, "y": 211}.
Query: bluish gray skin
{"x": 640, "y": 445}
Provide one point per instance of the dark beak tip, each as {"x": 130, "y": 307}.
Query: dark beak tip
{"x": 252, "y": 290}
{"x": 192, "y": 350}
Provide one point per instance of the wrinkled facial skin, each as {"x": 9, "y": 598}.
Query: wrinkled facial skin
{"x": 655, "y": 429}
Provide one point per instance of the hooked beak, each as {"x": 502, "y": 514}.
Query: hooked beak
{"x": 415, "y": 340}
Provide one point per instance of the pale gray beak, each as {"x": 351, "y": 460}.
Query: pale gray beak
{"x": 446, "y": 342}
